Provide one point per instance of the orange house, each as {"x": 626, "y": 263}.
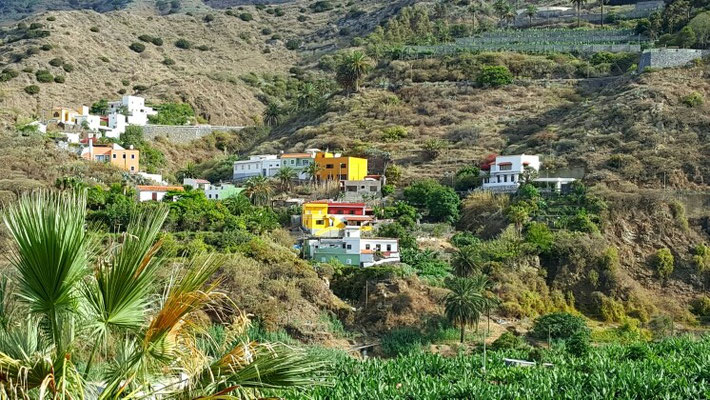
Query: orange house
{"x": 126, "y": 159}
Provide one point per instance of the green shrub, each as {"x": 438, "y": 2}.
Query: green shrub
{"x": 51, "y": 18}
{"x": 203, "y": 47}
{"x": 507, "y": 341}
{"x": 208, "y": 18}
{"x": 293, "y": 44}
{"x": 137, "y": 47}
{"x": 32, "y": 89}
{"x": 68, "y": 68}
{"x": 694, "y": 99}
{"x": 402, "y": 341}
{"x": 246, "y": 17}
{"x": 701, "y": 306}
{"x": 168, "y": 61}
{"x": 266, "y": 31}
{"x": 183, "y": 44}
{"x": 157, "y": 41}
{"x": 321, "y": 6}
{"x": 47, "y": 47}
{"x": 56, "y": 62}
{"x": 387, "y": 190}
{"x": 578, "y": 345}
{"x": 94, "y": 29}
{"x": 558, "y": 325}
{"x": 494, "y": 75}
{"x": 44, "y": 76}
{"x": 140, "y": 88}
{"x": 394, "y": 133}
{"x": 145, "y": 38}
{"x": 59, "y": 79}
{"x": 663, "y": 262}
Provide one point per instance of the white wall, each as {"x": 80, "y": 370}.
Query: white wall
{"x": 147, "y": 195}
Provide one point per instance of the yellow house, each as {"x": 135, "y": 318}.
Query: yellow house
{"x": 67, "y": 115}
{"x": 329, "y": 219}
{"x": 340, "y": 168}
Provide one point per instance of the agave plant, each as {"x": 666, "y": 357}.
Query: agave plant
{"x": 94, "y": 324}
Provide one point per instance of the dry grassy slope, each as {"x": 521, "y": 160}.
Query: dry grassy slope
{"x": 207, "y": 79}
{"x": 628, "y": 129}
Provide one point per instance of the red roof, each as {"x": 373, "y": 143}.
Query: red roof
{"x": 334, "y": 204}
{"x": 358, "y": 218}
{"x": 150, "y": 188}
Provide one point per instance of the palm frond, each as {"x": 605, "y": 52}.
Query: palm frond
{"x": 50, "y": 253}
{"x": 119, "y": 296}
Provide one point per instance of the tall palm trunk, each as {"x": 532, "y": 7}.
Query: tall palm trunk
{"x": 463, "y": 332}
{"x": 602, "y": 19}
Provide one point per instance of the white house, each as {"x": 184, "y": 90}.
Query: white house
{"x": 134, "y": 108}
{"x": 157, "y": 178}
{"x": 155, "y": 193}
{"x": 201, "y": 184}
{"x": 258, "y": 165}
{"x": 353, "y": 249}
{"x": 91, "y": 122}
{"x": 506, "y": 172}
{"x": 221, "y": 191}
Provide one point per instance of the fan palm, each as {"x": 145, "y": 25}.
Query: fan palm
{"x": 465, "y": 302}
{"x": 530, "y": 11}
{"x": 352, "y": 69}
{"x": 73, "y": 298}
{"x": 272, "y": 114}
{"x": 286, "y": 176}
{"x": 258, "y": 189}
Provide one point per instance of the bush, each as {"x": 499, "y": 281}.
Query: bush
{"x": 208, "y": 18}
{"x": 387, "y": 190}
{"x": 168, "y": 61}
{"x": 701, "y": 306}
{"x": 293, "y": 44}
{"x": 59, "y": 79}
{"x": 47, "y": 47}
{"x": 137, "y": 47}
{"x": 51, "y": 18}
{"x": 183, "y": 44}
{"x": 321, "y": 6}
{"x": 44, "y": 76}
{"x": 246, "y": 17}
{"x": 94, "y": 29}
{"x": 68, "y": 67}
{"x": 32, "y": 89}
{"x": 558, "y": 325}
{"x": 578, "y": 344}
{"x": 694, "y": 99}
{"x": 402, "y": 341}
{"x": 157, "y": 41}
{"x": 494, "y": 75}
{"x": 507, "y": 341}
{"x": 145, "y": 38}
{"x": 394, "y": 133}
{"x": 663, "y": 262}
{"x": 56, "y": 62}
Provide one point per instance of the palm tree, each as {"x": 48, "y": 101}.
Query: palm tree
{"x": 352, "y": 70}
{"x": 258, "y": 189}
{"x": 530, "y": 11}
{"x": 69, "y": 296}
{"x": 272, "y": 114}
{"x": 601, "y": 3}
{"x": 307, "y": 96}
{"x": 466, "y": 262}
{"x": 312, "y": 171}
{"x": 463, "y": 305}
{"x": 286, "y": 175}
{"x": 578, "y": 4}
{"x": 509, "y": 15}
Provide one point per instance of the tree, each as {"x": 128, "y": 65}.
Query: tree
{"x": 272, "y": 114}
{"x": 558, "y": 325}
{"x": 312, "y": 171}
{"x": 578, "y": 4}
{"x": 286, "y": 175}
{"x": 100, "y": 107}
{"x": 352, "y": 69}
{"x": 465, "y": 302}
{"x": 70, "y": 299}
{"x": 686, "y": 37}
{"x": 530, "y": 11}
{"x": 601, "y": 3}
{"x": 258, "y": 189}
{"x": 307, "y": 96}
{"x": 433, "y": 147}
{"x": 474, "y": 9}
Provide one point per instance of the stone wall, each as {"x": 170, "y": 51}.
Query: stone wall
{"x": 184, "y": 134}
{"x": 667, "y": 58}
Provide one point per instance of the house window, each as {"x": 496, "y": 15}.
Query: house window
{"x": 367, "y": 246}
{"x": 373, "y": 188}
{"x": 209, "y": 196}
{"x": 389, "y": 247}
{"x": 114, "y": 156}
{"x": 343, "y": 245}
{"x": 343, "y": 177}
{"x": 154, "y": 196}
{"x": 349, "y": 247}
{"x": 498, "y": 178}
{"x": 343, "y": 165}
{"x": 505, "y": 178}
{"x": 378, "y": 247}
{"x": 124, "y": 156}
{"x": 340, "y": 212}
{"x": 133, "y": 156}
{"x": 319, "y": 222}
{"x": 216, "y": 196}
{"x": 505, "y": 167}
{"x": 348, "y": 261}
{"x": 329, "y": 166}
{"x": 133, "y": 168}
{"x": 352, "y": 212}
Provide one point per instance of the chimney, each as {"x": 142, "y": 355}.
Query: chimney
{"x": 130, "y": 147}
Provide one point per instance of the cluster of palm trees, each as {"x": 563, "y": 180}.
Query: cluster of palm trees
{"x": 259, "y": 189}
{"x": 81, "y": 318}
{"x": 469, "y": 297}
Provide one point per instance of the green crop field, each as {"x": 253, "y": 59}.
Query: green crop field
{"x": 671, "y": 369}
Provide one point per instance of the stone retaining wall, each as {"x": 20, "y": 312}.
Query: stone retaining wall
{"x": 184, "y": 134}
{"x": 667, "y": 58}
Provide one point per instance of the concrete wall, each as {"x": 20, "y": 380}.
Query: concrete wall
{"x": 667, "y": 58}
{"x": 184, "y": 134}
